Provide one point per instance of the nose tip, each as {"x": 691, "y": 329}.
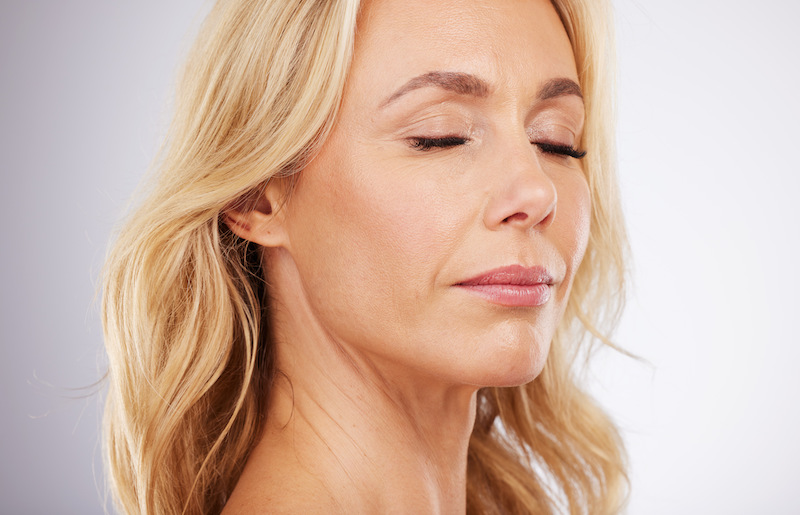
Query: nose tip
{"x": 526, "y": 198}
{"x": 539, "y": 209}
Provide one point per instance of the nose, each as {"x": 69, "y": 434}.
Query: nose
{"x": 523, "y": 195}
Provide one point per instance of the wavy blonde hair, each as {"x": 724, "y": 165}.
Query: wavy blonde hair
{"x": 186, "y": 327}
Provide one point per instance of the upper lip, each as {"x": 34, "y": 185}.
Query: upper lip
{"x": 517, "y": 275}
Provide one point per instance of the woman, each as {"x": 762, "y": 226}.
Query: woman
{"x": 359, "y": 280}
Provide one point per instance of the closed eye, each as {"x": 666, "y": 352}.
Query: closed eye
{"x": 561, "y": 150}
{"x": 423, "y": 144}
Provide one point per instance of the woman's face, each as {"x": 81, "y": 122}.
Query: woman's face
{"x": 439, "y": 228}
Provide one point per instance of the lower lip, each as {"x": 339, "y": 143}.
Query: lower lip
{"x": 511, "y": 295}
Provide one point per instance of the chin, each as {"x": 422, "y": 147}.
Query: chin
{"x": 519, "y": 374}
{"x": 514, "y": 363}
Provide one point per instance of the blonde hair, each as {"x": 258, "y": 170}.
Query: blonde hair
{"x": 186, "y": 327}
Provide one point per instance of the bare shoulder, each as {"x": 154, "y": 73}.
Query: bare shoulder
{"x": 279, "y": 484}
{"x": 280, "y": 499}
{"x": 278, "y": 495}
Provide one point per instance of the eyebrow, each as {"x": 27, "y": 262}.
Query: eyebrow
{"x": 559, "y": 87}
{"x": 461, "y": 83}
{"x": 468, "y": 84}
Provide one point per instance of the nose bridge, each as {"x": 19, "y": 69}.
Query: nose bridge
{"x": 523, "y": 194}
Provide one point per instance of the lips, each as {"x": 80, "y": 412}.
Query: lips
{"x": 512, "y": 286}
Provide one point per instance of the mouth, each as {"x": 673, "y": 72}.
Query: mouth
{"x": 512, "y": 286}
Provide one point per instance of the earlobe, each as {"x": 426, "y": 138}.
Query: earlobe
{"x": 261, "y": 223}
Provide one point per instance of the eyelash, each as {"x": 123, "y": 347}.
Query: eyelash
{"x": 562, "y": 150}
{"x": 426, "y": 144}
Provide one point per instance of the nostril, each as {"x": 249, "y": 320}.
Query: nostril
{"x": 521, "y": 217}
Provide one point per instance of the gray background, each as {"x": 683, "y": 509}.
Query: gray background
{"x": 708, "y": 130}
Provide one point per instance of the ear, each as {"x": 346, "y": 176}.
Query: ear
{"x": 264, "y": 223}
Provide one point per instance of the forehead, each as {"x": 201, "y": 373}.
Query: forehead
{"x": 506, "y": 42}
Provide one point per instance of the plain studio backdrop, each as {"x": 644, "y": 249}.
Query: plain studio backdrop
{"x": 708, "y": 129}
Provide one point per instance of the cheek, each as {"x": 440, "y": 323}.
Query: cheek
{"x": 368, "y": 240}
{"x": 574, "y": 210}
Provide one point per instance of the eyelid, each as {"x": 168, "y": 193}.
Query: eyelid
{"x": 565, "y": 109}
{"x": 443, "y": 135}
{"x": 556, "y": 124}
{"x": 557, "y": 134}
{"x": 439, "y": 119}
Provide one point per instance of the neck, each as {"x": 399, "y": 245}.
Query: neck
{"x": 372, "y": 450}
{"x": 355, "y": 433}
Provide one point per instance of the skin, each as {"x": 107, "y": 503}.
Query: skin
{"x": 382, "y": 351}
